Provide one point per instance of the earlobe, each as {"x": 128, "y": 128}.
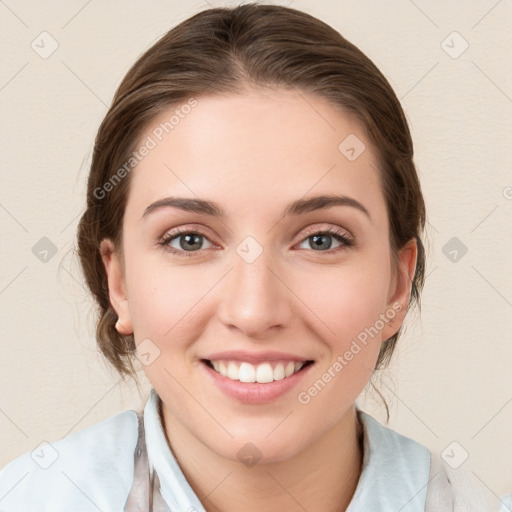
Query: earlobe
{"x": 116, "y": 287}
{"x": 121, "y": 329}
{"x": 400, "y": 290}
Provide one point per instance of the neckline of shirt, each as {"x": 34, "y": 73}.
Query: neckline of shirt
{"x": 394, "y": 475}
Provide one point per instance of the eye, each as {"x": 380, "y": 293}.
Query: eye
{"x": 321, "y": 239}
{"x": 188, "y": 241}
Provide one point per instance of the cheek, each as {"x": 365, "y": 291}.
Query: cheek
{"x": 164, "y": 305}
{"x": 165, "y": 300}
{"x": 350, "y": 305}
{"x": 346, "y": 298}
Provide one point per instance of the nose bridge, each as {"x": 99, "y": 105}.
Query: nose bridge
{"x": 254, "y": 299}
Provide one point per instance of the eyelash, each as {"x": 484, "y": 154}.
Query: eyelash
{"x": 336, "y": 233}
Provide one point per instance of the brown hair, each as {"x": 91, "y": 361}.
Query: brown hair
{"x": 226, "y": 50}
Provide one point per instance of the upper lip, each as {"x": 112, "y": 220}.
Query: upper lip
{"x": 254, "y": 357}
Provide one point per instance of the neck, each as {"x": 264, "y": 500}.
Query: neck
{"x": 323, "y": 477}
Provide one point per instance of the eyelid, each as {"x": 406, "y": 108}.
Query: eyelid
{"x": 330, "y": 229}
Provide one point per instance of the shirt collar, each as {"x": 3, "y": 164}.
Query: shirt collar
{"x": 175, "y": 489}
{"x": 395, "y": 470}
{"x": 394, "y": 475}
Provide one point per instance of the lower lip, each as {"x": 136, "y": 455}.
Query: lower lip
{"x": 254, "y": 392}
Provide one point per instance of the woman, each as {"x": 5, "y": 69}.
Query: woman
{"x": 234, "y": 148}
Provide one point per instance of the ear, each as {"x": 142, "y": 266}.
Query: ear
{"x": 400, "y": 288}
{"x": 116, "y": 286}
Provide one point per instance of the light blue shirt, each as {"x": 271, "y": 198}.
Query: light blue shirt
{"x": 93, "y": 470}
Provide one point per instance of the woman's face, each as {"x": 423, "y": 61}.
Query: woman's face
{"x": 250, "y": 286}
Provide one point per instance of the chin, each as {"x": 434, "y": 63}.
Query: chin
{"x": 251, "y": 449}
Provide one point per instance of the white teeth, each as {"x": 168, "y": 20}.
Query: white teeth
{"x": 262, "y": 373}
{"x": 232, "y": 371}
{"x": 222, "y": 369}
{"x": 247, "y": 373}
{"x": 290, "y": 368}
{"x": 279, "y": 371}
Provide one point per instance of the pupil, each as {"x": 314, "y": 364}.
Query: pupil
{"x": 195, "y": 241}
{"x": 319, "y": 238}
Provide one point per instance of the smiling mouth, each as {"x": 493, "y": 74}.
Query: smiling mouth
{"x": 261, "y": 373}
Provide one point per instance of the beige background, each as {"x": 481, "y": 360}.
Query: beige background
{"x": 451, "y": 379}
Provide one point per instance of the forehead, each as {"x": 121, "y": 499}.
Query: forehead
{"x": 262, "y": 147}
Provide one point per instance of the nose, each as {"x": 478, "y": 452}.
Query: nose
{"x": 254, "y": 298}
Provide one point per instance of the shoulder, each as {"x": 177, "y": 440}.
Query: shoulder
{"x": 458, "y": 490}
{"x": 89, "y": 469}
{"x": 396, "y": 466}
{"x": 395, "y": 470}
{"x": 506, "y": 503}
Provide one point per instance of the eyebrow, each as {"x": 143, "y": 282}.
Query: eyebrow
{"x": 295, "y": 208}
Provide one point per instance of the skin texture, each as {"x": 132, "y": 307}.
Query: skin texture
{"x": 254, "y": 153}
